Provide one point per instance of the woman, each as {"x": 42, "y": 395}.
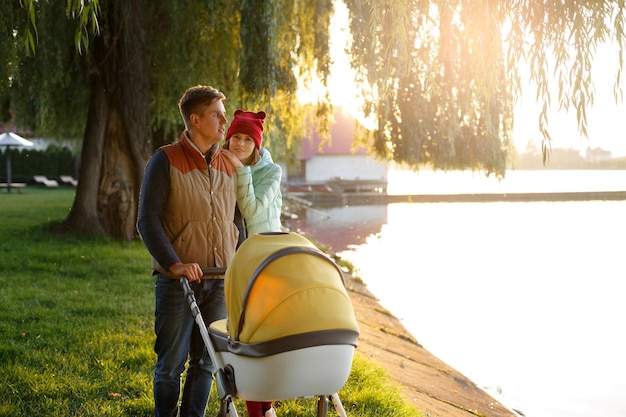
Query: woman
{"x": 259, "y": 198}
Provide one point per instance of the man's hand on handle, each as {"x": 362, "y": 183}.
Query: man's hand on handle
{"x": 191, "y": 271}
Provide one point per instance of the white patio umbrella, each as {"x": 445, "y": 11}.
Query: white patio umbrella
{"x": 10, "y": 139}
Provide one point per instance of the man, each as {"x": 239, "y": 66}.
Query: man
{"x": 186, "y": 213}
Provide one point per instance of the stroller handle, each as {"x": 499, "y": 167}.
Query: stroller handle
{"x": 216, "y": 270}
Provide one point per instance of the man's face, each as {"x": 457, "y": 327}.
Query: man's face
{"x": 210, "y": 125}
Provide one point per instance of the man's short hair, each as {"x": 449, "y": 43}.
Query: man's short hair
{"x": 197, "y": 97}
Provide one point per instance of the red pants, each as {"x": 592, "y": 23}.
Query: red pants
{"x": 257, "y": 408}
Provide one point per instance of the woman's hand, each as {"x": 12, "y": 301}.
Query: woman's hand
{"x": 232, "y": 158}
{"x": 225, "y": 161}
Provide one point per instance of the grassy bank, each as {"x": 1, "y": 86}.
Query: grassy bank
{"x": 76, "y": 319}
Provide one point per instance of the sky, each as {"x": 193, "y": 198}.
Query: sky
{"x": 606, "y": 120}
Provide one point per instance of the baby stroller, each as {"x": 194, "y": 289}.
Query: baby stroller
{"x": 291, "y": 331}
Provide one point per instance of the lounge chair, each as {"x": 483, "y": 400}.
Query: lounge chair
{"x": 41, "y": 179}
{"x": 67, "y": 179}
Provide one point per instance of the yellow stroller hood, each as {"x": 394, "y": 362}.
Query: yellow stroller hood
{"x": 280, "y": 285}
{"x": 289, "y": 316}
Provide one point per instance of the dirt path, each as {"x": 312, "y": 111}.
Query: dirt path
{"x": 434, "y": 387}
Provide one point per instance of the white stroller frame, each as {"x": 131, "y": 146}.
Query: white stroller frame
{"x": 323, "y": 359}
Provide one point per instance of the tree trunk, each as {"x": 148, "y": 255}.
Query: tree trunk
{"x": 117, "y": 192}
{"x": 83, "y": 218}
{"x": 117, "y": 141}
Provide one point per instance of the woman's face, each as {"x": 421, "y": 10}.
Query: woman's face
{"x": 242, "y": 146}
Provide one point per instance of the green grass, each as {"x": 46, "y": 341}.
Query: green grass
{"x": 76, "y": 325}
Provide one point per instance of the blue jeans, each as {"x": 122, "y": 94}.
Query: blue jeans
{"x": 178, "y": 339}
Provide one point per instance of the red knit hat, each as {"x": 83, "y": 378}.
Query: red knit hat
{"x": 248, "y": 123}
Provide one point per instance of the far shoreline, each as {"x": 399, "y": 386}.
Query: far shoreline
{"x": 327, "y": 200}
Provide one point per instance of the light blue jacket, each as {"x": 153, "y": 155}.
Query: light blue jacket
{"x": 258, "y": 195}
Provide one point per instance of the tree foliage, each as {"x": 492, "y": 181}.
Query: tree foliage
{"x": 113, "y": 77}
{"x": 558, "y": 41}
{"x": 439, "y": 77}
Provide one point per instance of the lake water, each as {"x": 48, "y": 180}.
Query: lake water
{"x": 526, "y": 299}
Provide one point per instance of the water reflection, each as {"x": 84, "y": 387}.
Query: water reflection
{"x": 523, "y": 298}
{"x": 339, "y": 227}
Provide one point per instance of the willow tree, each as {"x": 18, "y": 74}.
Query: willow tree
{"x": 110, "y": 72}
{"x": 441, "y": 77}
